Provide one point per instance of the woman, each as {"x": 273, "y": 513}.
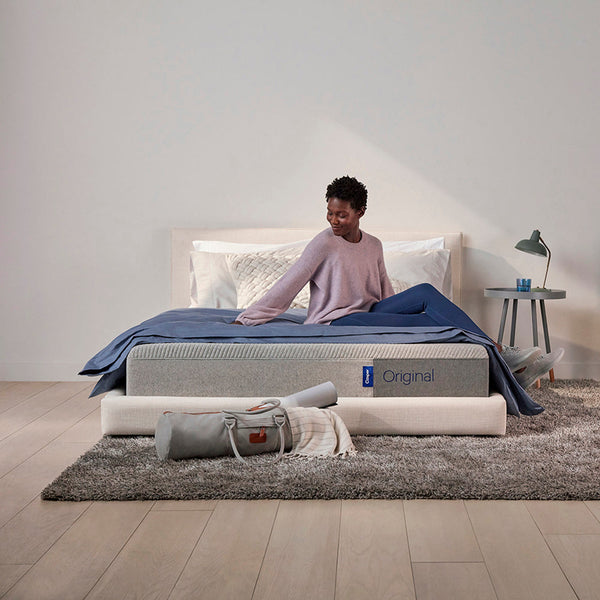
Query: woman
{"x": 349, "y": 285}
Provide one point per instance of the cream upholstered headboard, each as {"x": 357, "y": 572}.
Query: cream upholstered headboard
{"x": 181, "y": 246}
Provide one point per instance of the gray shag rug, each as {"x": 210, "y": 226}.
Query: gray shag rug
{"x": 552, "y": 456}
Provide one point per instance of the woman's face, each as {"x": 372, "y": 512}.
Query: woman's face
{"x": 344, "y": 219}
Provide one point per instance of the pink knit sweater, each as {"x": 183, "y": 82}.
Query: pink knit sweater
{"x": 344, "y": 278}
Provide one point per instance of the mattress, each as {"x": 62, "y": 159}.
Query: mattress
{"x": 262, "y": 370}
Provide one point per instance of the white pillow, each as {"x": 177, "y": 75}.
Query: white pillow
{"x": 254, "y": 273}
{"x": 211, "y": 284}
{"x": 406, "y": 269}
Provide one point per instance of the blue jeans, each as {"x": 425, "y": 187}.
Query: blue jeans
{"x": 419, "y": 306}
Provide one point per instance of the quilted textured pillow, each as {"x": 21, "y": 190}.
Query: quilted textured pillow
{"x": 254, "y": 273}
{"x": 211, "y": 284}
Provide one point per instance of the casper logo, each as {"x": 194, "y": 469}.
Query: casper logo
{"x": 367, "y": 376}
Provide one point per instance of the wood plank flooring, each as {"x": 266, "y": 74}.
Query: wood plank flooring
{"x": 322, "y": 550}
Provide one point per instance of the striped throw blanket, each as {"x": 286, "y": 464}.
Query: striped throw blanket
{"x": 318, "y": 432}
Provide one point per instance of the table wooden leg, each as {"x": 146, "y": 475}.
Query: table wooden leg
{"x": 534, "y": 330}
{"x": 545, "y": 325}
{"x": 503, "y": 320}
{"x": 513, "y": 325}
{"x": 534, "y": 327}
{"x": 546, "y": 335}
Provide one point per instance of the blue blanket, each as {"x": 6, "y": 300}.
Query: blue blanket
{"x": 215, "y": 325}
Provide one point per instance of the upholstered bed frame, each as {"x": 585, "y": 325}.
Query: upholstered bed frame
{"x": 462, "y": 413}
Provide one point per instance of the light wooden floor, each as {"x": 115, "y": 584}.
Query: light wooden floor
{"x": 265, "y": 549}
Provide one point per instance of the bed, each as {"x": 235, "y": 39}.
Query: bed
{"x": 155, "y": 368}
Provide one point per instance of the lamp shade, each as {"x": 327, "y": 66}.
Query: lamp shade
{"x": 532, "y": 245}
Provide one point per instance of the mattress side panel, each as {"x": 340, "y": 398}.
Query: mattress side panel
{"x": 357, "y": 370}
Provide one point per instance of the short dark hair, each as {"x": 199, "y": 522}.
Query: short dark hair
{"x": 349, "y": 189}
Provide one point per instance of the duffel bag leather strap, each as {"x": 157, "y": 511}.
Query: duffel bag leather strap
{"x": 231, "y": 422}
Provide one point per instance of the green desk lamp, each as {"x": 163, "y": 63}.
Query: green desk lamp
{"x": 536, "y": 245}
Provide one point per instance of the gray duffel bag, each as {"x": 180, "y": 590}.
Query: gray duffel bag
{"x": 264, "y": 428}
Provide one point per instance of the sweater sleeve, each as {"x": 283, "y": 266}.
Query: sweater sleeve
{"x": 279, "y": 297}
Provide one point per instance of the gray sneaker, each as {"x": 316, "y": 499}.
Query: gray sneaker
{"x": 516, "y": 358}
{"x": 540, "y": 367}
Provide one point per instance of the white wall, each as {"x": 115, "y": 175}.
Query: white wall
{"x": 121, "y": 119}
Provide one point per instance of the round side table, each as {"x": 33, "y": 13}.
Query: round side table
{"x": 534, "y": 295}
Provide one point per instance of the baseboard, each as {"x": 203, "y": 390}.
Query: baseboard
{"x": 22, "y": 371}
